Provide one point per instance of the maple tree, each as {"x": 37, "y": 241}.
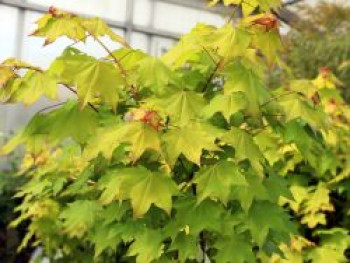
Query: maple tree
{"x": 185, "y": 158}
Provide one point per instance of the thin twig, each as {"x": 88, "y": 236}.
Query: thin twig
{"x": 208, "y": 53}
{"x": 51, "y": 107}
{"x": 78, "y": 41}
{"x": 22, "y": 67}
{"x": 116, "y": 60}
{"x": 277, "y": 97}
{"x": 75, "y": 92}
{"x": 218, "y": 64}
{"x": 110, "y": 53}
{"x": 230, "y": 18}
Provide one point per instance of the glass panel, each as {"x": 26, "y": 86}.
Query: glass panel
{"x": 111, "y": 9}
{"x": 139, "y": 41}
{"x": 142, "y": 12}
{"x": 8, "y": 33}
{"x": 161, "y": 45}
{"x": 182, "y": 19}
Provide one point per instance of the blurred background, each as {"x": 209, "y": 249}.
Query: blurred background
{"x": 152, "y": 26}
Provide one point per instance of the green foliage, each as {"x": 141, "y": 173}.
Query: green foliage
{"x": 187, "y": 158}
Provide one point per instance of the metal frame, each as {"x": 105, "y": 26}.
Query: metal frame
{"x": 199, "y": 4}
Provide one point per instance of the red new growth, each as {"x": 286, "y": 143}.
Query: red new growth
{"x": 325, "y": 71}
{"x": 268, "y": 21}
{"x": 52, "y": 10}
{"x": 153, "y": 119}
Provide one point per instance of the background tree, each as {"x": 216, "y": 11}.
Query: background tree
{"x": 321, "y": 38}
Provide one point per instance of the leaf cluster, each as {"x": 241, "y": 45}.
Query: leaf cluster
{"x": 185, "y": 158}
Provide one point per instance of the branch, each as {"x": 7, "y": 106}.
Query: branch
{"x": 78, "y": 41}
{"x": 230, "y": 18}
{"x": 208, "y": 53}
{"x": 120, "y": 66}
{"x": 75, "y": 92}
{"x": 116, "y": 60}
{"x": 218, "y": 64}
{"x": 23, "y": 67}
{"x": 277, "y": 97}
{"x": 51, "y": 107}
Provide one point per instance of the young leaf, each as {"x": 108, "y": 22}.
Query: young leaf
{"x": 189, "y": 141}
{"x": 92, "y": 77}
{"x": 196, "y": 217}
{"x": 253, "y": 190}
{"x": 105, "y": 236}
{"x": 97, "y": 28}
{"x": 79, "y": 216}
{"x": 52, "y": 27}
{"x": 186, "y": 245}
{"x": 140, "y": 136}
{"x": 30, "y": 88}
{"x": 216, "y": 181}
{"x": 155, "y": 75}
{"x": 226, "y": 104}
{"x": 269, "y": 43}
{"x": 6, "y": 73}
{"x": 241, "y": 78}
{"x": 234, "y": 248}
{"x": 45, "y": 130}
{"x": 182, "y": 106}
{"x": 317, "y": 203}
{"x": 68, "y": 121}
{"x": 147, "y": 247}
{"x": 265, "y": 217}
{"x": 295, "y": 107}
{"x": 142, "y": 187}
{"x": 245, "y": 148}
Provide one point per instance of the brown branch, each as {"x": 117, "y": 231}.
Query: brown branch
{"x": 23, "y": 67}
{"x": 277, "y": 97}
{"x": 218, "y": 64}
{"x": 80, "y": 40}
{"x": 115, "y": 59}
{"x": 208, "y": 53}
{"x": 75, "y": 92}
{"x": 110, "y": 53}
{"x": 230, "y": 18}
{"x": 51, "y": 107}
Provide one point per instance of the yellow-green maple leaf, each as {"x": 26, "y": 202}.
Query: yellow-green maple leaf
{"x": 216, "y": 181}
{"x": 182, "y": 106}
{"x": 142, "y": 187}
{"x": 245, "y": 148}
{"x": 226, "y": 104}
{"x": 93, "y": 77}
{"x": 139, "y": 136}
{"x": 189, "y": 141}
